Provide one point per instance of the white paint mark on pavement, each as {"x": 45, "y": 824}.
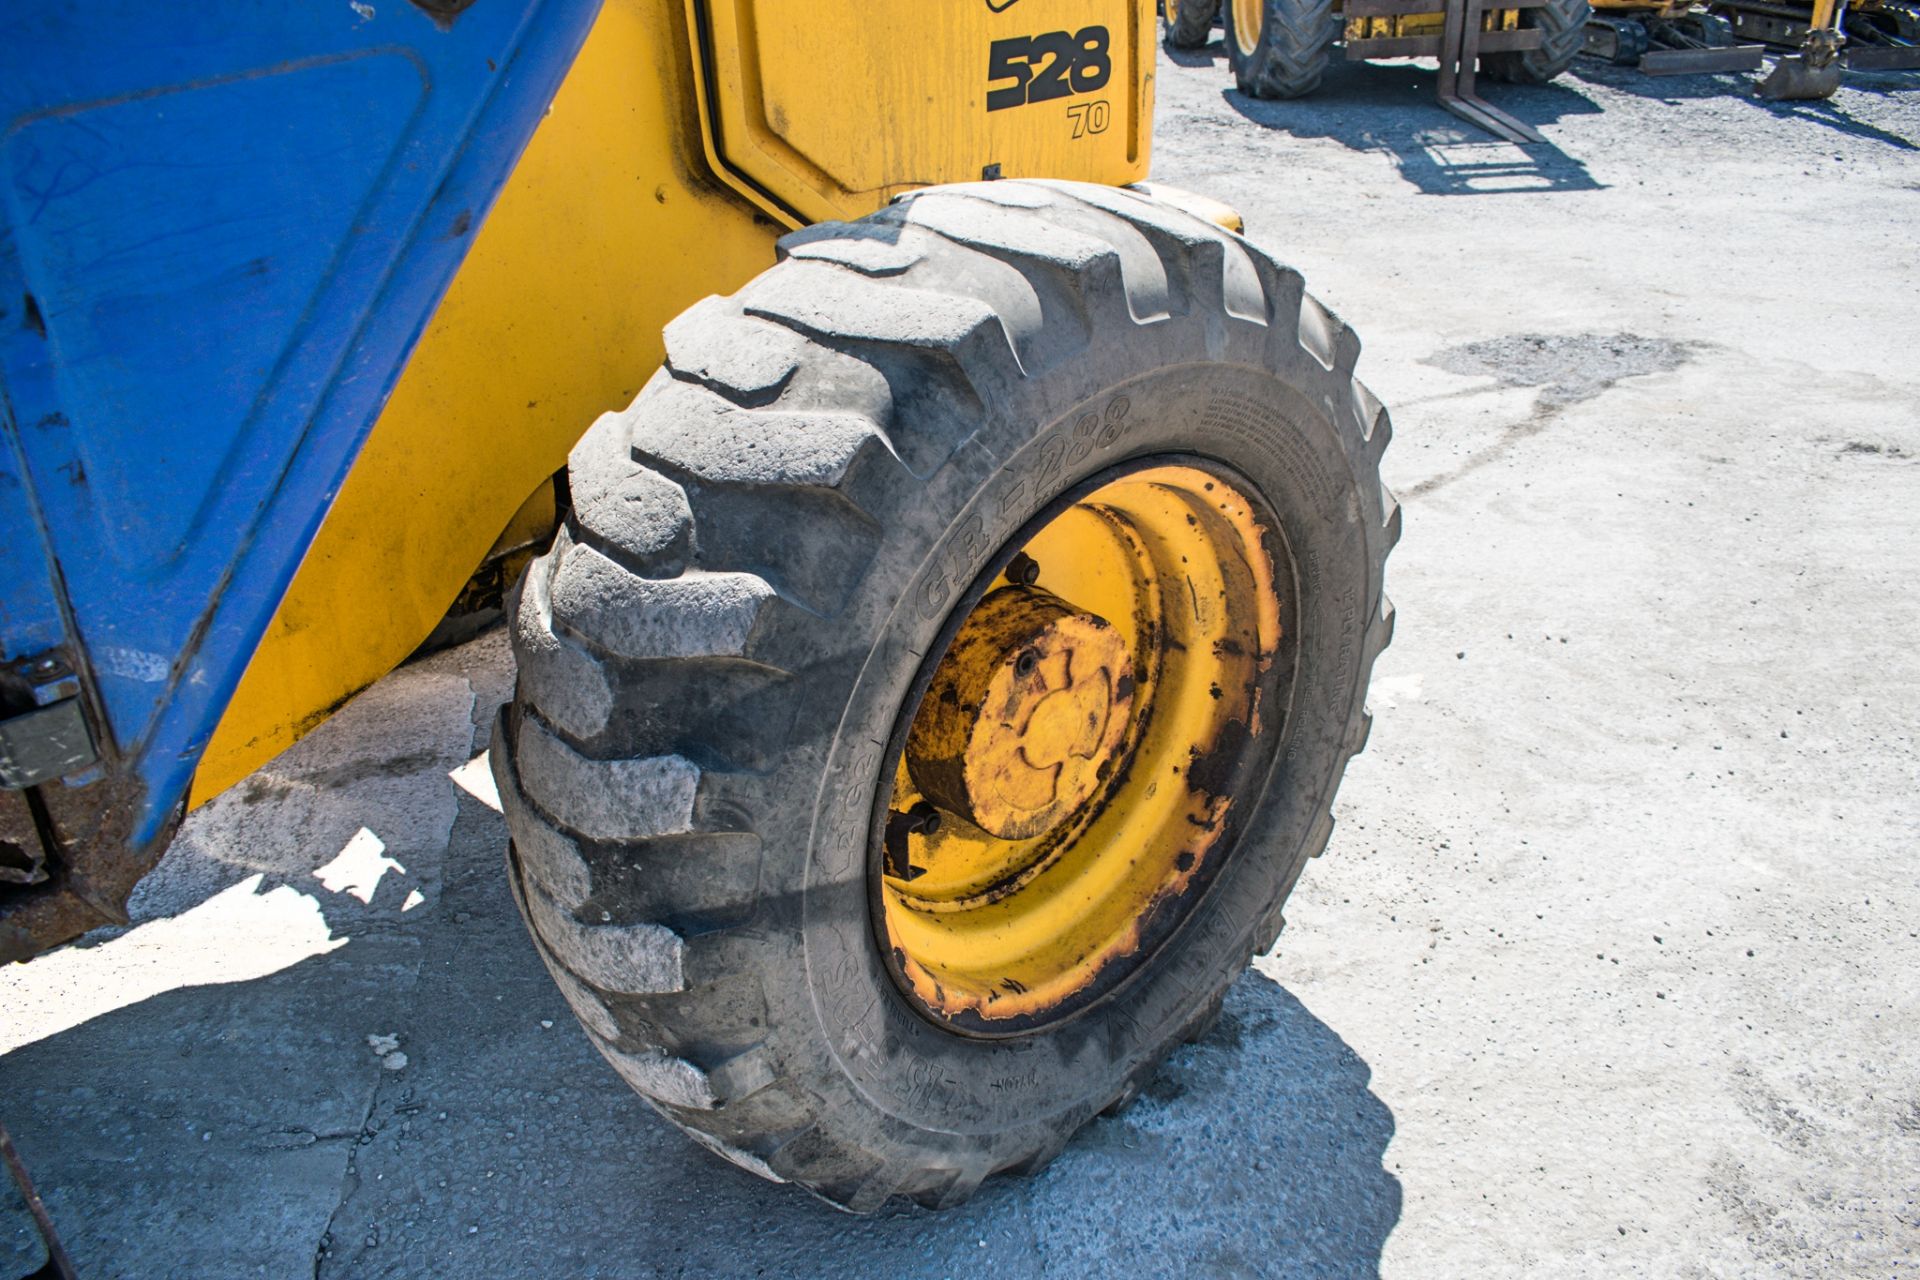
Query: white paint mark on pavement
{"x": 1388, "y": 692}
{"x": 358, "y": 868}
{"x": 235, "y": 936}
{"x": 475, "y": 777}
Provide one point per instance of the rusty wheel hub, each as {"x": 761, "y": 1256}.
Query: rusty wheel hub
{"x": 1066, "y": 783}
{"x": 1024, "y": 716}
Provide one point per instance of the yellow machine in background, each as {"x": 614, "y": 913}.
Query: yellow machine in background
{"x": 1823, "y": 37}
{"x": 1678, "y": 38}
{"x": 1282, "y": 48}
{"x": 1816, "y": 39}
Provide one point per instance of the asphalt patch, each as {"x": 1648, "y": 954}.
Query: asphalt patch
{"x": 1568, "y": 368}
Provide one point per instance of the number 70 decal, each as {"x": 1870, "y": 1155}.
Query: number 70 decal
{"x": 1089, "y": 117}
{"x": 1050, "y": 66}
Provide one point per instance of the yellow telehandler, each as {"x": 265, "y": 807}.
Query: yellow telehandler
{"x": 1282, "y": 48}
{"x": 944, "y": 573}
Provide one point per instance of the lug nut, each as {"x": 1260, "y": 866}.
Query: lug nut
{"x": 1023, "y": 569}
{"x": 925, "y": 818}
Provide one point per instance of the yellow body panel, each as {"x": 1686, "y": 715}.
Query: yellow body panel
{"x": 1425, "y": 24}
{"x": 1654, "y": 8}
{"x": 817, "y": 111}
{"x": 608, "y": 228}
{"x": 627, "y": 208}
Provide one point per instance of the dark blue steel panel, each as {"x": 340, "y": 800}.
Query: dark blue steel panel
{"x": 222, "y": 228}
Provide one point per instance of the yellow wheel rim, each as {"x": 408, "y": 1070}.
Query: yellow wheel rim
{"x": 1064, "y": 784}
{"x": 1248, "y": 16}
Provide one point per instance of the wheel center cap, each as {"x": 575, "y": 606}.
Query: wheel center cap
{"x": 1024, "y": 716}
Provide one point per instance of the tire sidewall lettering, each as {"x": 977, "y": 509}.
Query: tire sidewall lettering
{"x": 1038, "y": 471}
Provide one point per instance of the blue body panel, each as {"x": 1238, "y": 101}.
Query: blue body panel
{"x": 222, "y": 229}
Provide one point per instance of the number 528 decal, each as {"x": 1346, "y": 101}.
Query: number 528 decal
{"x": 1045, "y": 67}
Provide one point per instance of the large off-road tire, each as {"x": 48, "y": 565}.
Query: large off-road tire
{"x": 1280, "y": 48}
{"x": 1190, "y": 22}
{"x": 1562, "y": 25}
{"x": 761, "y": 550}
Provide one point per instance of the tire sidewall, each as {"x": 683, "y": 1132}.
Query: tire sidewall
{"x": 1256, "y": 69}
{"x": 1190, "y": 22}
{"x": 1275, "y": 428}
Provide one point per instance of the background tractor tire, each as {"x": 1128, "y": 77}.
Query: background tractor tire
{"x": 1286, "y": 53}
{"x": 1190, "y": 23}
{"x": 1562, "y": 25}
{"x": 760, "y": 550}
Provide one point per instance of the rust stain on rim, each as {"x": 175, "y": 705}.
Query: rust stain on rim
{"x": 1066, "y": 783}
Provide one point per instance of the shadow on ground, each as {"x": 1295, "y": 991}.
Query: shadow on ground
{"x": 247, "y": 1127}
{"x": 1831, "y": 113}
{"x": 1390, "y": 107}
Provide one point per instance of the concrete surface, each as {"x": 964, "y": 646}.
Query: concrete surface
{"x": 1609, "y": 969}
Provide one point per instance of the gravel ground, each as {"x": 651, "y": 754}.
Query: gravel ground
{"x": 1609, "y": 967}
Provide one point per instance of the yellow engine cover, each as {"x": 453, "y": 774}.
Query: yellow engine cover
{"x": 816, "y": 111}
